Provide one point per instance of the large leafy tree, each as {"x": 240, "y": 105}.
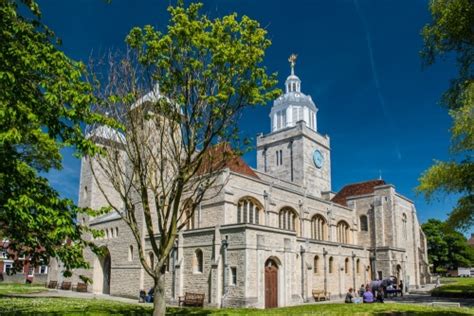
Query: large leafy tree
{"x": 176, "y": 97}
{"x": 451, "y": 33}
{"x": 43, "y": 101}
{"x": 447, "y": 248}
{"x": 437, "y": 245}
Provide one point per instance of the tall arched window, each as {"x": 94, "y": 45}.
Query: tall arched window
{"x": 288, "y": 219}
{"x": 346, "y": 265}
{"x": 404, "y": 222}
{"x": 342, "y": 232}
{"x": 358, "y": 266}
{"x": 316, "y": 264}
{"x": 198, "y": 261}
{"x": 151, "y": 259}
{"x": 190, "y": 221}
{"x": 249, "y": 211}
{"x": 331, "y": 265}
{"x": 319, "y": 228}
{"x": 364, "y": 224}
{"x": 130, "y": 253}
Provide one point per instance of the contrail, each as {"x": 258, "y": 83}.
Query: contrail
{"x": 385, "y": 110}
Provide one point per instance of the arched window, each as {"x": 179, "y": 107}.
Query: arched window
{"x": 364, "y": 224}
{"x": 331, "y": 265}
{"x": 116, "y": 231}
{"x": 189, "y": 215}
{"x": 198, "y": 261}
{"x": 151, "y": 259}
{"x": 130, "y": 253}
{"x": 342, "y": 232}
{"x": 167, "y": 263}
{"x": 316, "y": 264}
{"x": 404, "y": 222}
{"x": 358, "y": 266}
{"x": 319, "y": 228}
{"x": 288, "y": 219}
{"x": 249, "y": 211}
{"x": 346, "y": 265}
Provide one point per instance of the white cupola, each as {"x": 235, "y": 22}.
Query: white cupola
{"x": 293, "y": 106}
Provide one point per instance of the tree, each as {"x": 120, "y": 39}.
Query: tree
{"x": 447, "y": 248}
{"x": 451, "y": 33}
{"x": 43, "y": 101}
{"x": 437, "y": 246}
{"x": 175, "y": 97}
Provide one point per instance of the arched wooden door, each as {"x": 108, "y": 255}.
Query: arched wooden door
{"x": 271, "y": 284}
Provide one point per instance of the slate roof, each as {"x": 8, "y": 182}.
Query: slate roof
{"x": 354, "y": 189}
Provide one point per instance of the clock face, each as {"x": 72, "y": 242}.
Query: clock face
{"x": 318, "y": 159}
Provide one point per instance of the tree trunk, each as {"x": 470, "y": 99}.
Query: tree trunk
{"x": 159, "y": 303}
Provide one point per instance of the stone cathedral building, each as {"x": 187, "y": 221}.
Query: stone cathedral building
{"x": 276, "y": 232}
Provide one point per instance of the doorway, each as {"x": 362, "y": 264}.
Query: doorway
{"x": 102, "y": 273}
{"x": 271, "y": 284}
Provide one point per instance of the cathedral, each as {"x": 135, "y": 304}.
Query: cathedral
{"x": 275, "y": 233}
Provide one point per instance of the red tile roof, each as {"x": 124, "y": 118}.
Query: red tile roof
{"x": 222, "y": 156}
{"x": 354, "y": 189}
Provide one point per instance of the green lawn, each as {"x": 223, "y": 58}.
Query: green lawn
{"x": 15, "y": 305}
{"x": 68, "y": 306}
{"x": 20, "y": 289}
{"x": 455, "y": 287}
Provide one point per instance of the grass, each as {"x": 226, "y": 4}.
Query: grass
{"x": 16, "y": 305}
{"x": 6, "y": 289}
{"x": 455, "y": 287}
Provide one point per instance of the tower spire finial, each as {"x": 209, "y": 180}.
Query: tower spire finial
{"x": 292, "y": 61}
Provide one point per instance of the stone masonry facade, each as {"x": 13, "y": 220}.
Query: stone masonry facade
{"x": 281, "y": 216}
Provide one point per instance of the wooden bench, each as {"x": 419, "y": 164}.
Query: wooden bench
{"x": 191, "y": 299}
{"x": 321, "y": 294}
{"x": 65, "y": 286}
{"x": 80, "y": 287}
{"x": 52, "y": 284}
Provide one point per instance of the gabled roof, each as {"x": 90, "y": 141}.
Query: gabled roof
{"x": 355, "y": 189}
{"x": 222, "y": 156}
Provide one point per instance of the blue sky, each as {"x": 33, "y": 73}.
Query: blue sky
{"x": 359, "y": 60}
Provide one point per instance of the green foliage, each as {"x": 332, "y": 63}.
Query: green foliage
{"x": 212, "y": 68}
{"x": 447, "y": 249}
{"x": 437, "y": 246}
{"x": 43, "y": 102}
{"x": 451, "y": 32}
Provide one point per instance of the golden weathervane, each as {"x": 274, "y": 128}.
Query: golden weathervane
{"x": 292, "y": 60}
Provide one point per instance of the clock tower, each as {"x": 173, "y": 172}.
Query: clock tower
{"x": 294, "y": 151}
